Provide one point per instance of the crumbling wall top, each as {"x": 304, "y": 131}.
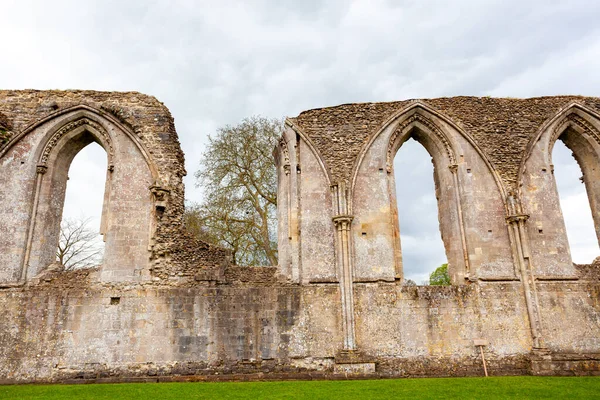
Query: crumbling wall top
{"x": 501, "y": 127}
{"x": 144, "y": 115}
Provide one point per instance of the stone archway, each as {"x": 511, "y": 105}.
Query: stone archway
{"x": 538, "y": 194}
{"x": 37, "y": 164}
{"x": 463, "y": 176}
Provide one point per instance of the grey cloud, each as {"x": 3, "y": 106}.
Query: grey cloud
{"x": 214, "y": 63}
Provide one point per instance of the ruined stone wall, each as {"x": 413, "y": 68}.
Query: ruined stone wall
{"x": 492, "y": 161}
{"x": 499, "y": 216}
{"x": 336, "y": 305}
{"x": 143, "y": 207}
{"x": 59, "y": 330}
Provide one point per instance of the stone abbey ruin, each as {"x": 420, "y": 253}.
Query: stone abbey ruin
{"x": 165, "y": 306}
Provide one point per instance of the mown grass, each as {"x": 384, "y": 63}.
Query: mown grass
{"x": 428, "y": 388}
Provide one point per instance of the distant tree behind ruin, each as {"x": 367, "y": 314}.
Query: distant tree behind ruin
{"x": 238, "y": 175}
{"x": 78, "y": 245}
{"x": 440, "y": 276}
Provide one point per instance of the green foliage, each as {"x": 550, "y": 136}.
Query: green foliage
{"x": 530, "y": 387}
{"x": 440, "y": 276}
{"x": 238, "y": 175}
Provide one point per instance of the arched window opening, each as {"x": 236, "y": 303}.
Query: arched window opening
{"x": 81, "y": 243}
{"x": 575, "y": 204}
{"x": 421, "y": 243}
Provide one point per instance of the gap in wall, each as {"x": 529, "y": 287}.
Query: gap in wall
{"x": 82, "y": 210}
{"x": 575, "y": 205}
{"x": 422, "y": 247}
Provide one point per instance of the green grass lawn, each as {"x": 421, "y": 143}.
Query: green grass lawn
{"x": 425, "y": 388}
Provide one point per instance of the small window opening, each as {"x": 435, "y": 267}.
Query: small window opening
{"x": 115, "y": 301}
{"x": 540, "y": 231}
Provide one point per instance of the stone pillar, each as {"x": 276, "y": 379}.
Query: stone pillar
{"x": 516, "y": 219}
{"x": 343, "y": 222}
{"x": 288, "y": 204}
{"x": 294, "y": 216}
{"x": 41, "y": 171}
{"x": 461, "y": 224}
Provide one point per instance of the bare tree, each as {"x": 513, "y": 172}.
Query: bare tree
{"x": 78, "y": 245}
{"x": 217, "y": 222}
{"x": 238, "y": 175}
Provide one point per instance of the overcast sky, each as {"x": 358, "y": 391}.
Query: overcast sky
{"x": 214, "y": 63}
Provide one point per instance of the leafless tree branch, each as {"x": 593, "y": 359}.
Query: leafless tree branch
{"x": 239, "y": 179}
{"x": 78, "y": 245}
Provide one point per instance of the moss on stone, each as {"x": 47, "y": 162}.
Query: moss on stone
{"x": 4, "y": 136}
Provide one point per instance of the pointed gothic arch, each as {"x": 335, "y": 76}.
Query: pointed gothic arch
{"x": 579, "y": 129}
{"x": 463, "y": 176}
{"x": 301, "y": 258}
{"x": 41, "y": 156}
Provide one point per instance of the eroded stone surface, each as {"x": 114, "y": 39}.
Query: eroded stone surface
{"x": 164, "y": 306}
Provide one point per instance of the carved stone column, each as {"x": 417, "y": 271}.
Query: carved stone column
{"x": 343, "y": 223}
{"x": 286, "y": 169}
{"x": 286, "y": 155}
{"x": 40, "y": 171}
{"x": 517, "y": 220}
{"x": 461, "y": 222}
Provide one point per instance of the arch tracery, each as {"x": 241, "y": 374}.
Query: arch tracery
{"x": 84, "y": 123}
{"x": 57, "y": 141}
{"x": 462, "y": 175}
{"x": 82, "y": 116}
{"x": 409, "y": 123}
{"x": 576, "y": 126}
{"x": 575, "y": 116}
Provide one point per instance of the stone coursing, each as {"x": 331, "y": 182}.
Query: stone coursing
{"x": 67, "y": 328}
{"x": 501, "y": 127}
{"x": 339, "y": 133}
{"x": 4, "y": 122}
